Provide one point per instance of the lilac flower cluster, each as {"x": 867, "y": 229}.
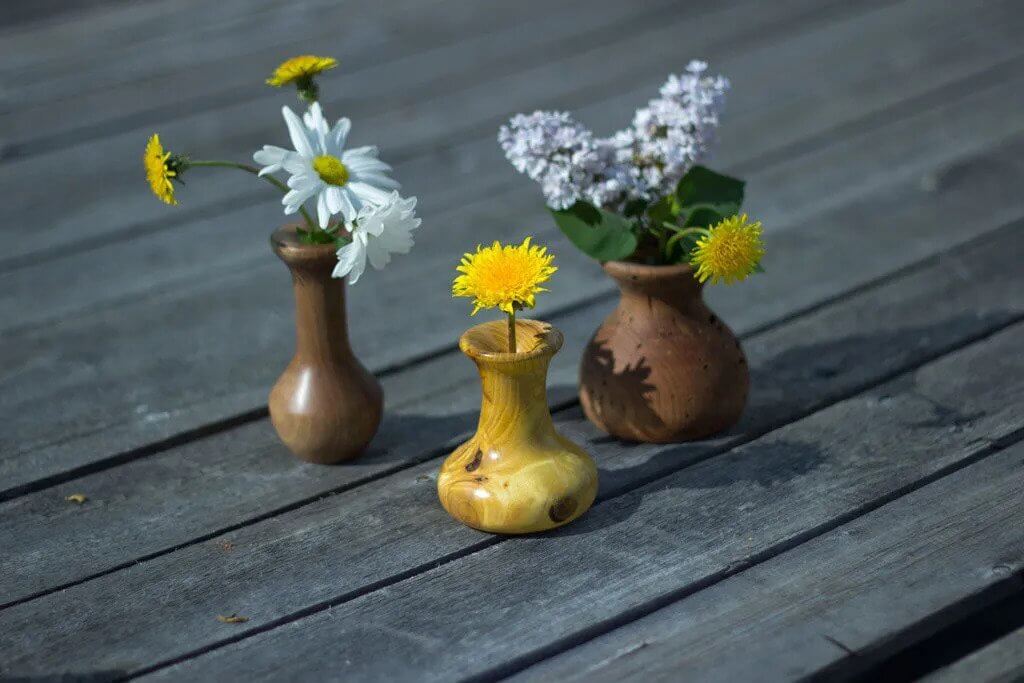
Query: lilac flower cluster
{"x": 645, "y": 161}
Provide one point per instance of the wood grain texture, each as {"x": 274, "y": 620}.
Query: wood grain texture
{"x": 382, "y": 115}
{"x": 325, "y": 406}
{"x": 439, "y": 43}
{"x": 62, "y": 361}
{"x": 270, "y": 569}
{"x": 676, "y": 535}
{"x": 516, "y": 474}
{"x": 835, "y": 605}
{"x": 78, "y": 211}
{"x": 151, "y": 489}
{"x": 662, "y": 367}
{"x": 998, "y": 662}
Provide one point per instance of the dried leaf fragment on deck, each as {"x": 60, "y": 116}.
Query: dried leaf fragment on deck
{"x": 232, "y": 619}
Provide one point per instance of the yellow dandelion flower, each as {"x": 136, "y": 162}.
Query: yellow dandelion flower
{"x": 160, "y": 169}
{"x": 505, "y": 277}
{"x": 300, "y": 70}
{"x": 730, "y": 251}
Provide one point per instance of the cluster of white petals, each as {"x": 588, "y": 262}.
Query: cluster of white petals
{"x": 669, "y": 136}
{"x": 351, "y": 183}
{"x": 378, "y": 232}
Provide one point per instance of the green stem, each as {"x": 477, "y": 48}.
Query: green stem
{"x": 681, "y": 233}
{"x": 256, "y": 172}
{"x": 512, "y": 332}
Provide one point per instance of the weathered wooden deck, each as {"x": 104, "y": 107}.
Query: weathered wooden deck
{"x": 866, "y": 519}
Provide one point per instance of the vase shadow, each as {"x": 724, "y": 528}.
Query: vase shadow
{"x": 786, "y": 387}
{"x": 626, "y": 391}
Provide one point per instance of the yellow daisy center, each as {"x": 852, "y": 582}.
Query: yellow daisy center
{"x": 159, "y": 171}
{"x": 330, "y": 169}
{"x": 730, "y": 251}
{"x": 505, "y": 277}
{"x": 301, "y": 67}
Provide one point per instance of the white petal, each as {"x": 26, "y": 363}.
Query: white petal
{"x": 334, "y": 202}
{"x": 348, "y": 209}
{"x": 368, "y": 193}
{"x": 298, "y": 133}
{"x": 271, "y": 158}
{"x": 377, "y": 254}
{"x": 323, "y": 214}
{"x": 340, "y": 132}
{"x": 376, "y": 180}
{"x": 351, "y": 260}
{"x": 295, "y": 198}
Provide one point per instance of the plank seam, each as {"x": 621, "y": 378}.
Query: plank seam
{"x": 413, "y": 151}
{"x": 566, "y": 46}
{"x": 444, "y": 448}
{"x": 524, "y": 661}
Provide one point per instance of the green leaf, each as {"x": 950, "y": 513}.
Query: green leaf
{"x": 662, "y": 211}
{"x": 702, "y": 186}
{"x": 704, "y": 216}
{"x": 600, "y": 234}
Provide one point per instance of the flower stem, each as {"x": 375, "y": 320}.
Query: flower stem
{"x": 512, "y": 332}
{"x": 680, "y": 234}
{"x": 256, "y": 172}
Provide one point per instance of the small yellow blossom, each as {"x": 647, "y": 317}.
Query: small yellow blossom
{"x": 299, "y": 69}
{"x": 159, "y": 170}
{"x": 505, "y": 277}
{"x": 730, "y": 251}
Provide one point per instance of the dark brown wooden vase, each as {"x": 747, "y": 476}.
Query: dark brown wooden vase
{"x": 662, "y": 367}
{"x": 326, "y": 406}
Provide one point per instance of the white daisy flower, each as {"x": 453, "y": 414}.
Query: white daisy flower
{"x": 343, "y": 181}
{"x": 378, "y": 232}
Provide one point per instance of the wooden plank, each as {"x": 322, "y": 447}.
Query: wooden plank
{"x": 104, "y": 45}
{"x": 78, "y": 210}
{"x": 40, "y": 528}
{"x": 83, "y": 281}
{"x": 482, "y": 594}
{"x": 835, "y": 605}
{"x": 77, "y": 362}
{"x": 183, "y": 495}
{"x": 414, "y": 50}
{"x": 393, "y": 527}
{"x": 999, "y": 662}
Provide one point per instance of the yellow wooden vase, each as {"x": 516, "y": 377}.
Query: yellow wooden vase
{"x": 517, "y": 474}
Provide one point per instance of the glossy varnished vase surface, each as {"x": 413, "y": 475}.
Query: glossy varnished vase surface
{"x": 517, "y": 474}
{"x": 662, "y": 367}
{"x": 326, "y": 406}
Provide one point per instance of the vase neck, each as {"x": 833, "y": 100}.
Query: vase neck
{"x": 320, "y": 321}
{"x": 514, "y": 406}
{"x": 662, "y": 289}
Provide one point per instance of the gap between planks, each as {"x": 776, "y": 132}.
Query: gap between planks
{"x": 516, "y": 664}
{"x": 489, "y": 542}
{"x": 753, "y": 36}
{"x": 901, "y": 110}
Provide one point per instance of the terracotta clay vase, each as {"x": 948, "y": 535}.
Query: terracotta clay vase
{"x": 326, "y": 406}
{"x": 662, "y": 367}
{"x": 517, "y": 474}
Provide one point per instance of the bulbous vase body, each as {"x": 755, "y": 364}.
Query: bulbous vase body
{"x": 662, "y": 367}
{"x": 326, "y": 406}
{"x": 516, "y": 475}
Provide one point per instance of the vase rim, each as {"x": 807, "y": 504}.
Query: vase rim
{"x": 286, "y": 244}
{"x": 625, "y": 269}
{"x": 481, "y": 342}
